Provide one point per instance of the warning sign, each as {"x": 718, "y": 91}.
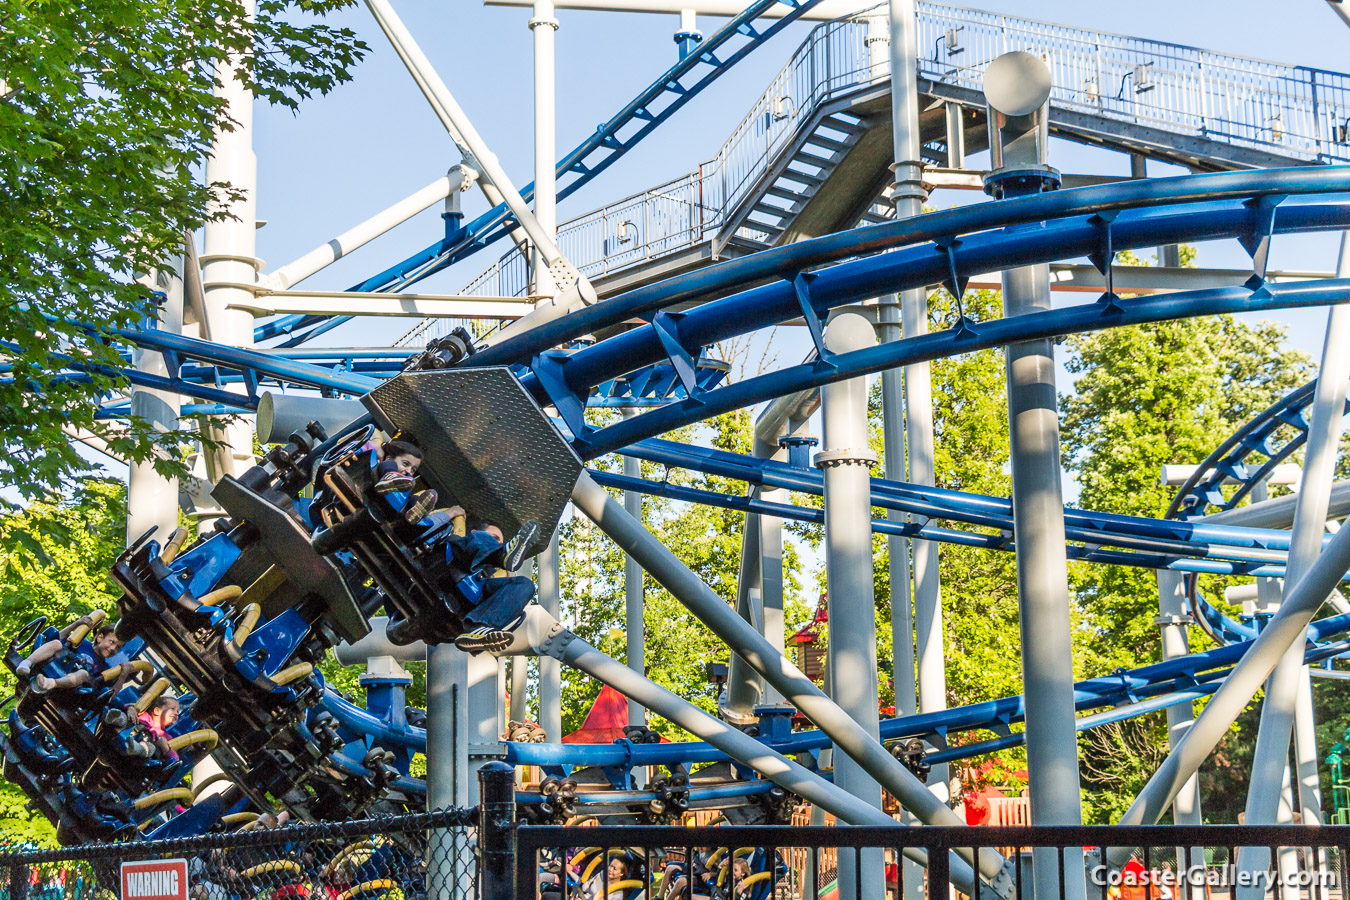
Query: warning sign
{"x": 159, "y": 879}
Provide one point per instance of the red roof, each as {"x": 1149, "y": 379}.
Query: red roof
{"x": 605, "y": 722}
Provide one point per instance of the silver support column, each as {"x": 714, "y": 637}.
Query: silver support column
{"x": 152, "y": 499}
{"x": 1017, "y": 89}
{"x": 845, "y": 462}
{"x": 848, "y": 736}
{"x": 550, "y": 672}
{"x": 908, "y": 196}
{"x": 1172, "y": 619}
{"x": 632, "y": 589}
{"x": 447, "y": 761}
{"x": 1310, "y": 517}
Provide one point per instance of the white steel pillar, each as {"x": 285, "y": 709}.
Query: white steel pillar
{"x": 917, "y": 415}
{"x": 152, "y": 499}
{"x": 1310, "y": 516}
{"x": 550, "y": 669}
{"x": 544, "y": 26}
{"x": 1172, "y": 619}
{"x": 634, "y": 625}
{"x": 846, "y": 462}
{"x": 230, "y": 261}
{"x": 898, "y": 389}
{"x": 1017, "y": 89}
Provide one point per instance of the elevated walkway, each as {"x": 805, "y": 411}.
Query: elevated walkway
{"x": 811, "y": 156}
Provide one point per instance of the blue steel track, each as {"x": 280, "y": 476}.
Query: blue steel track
{"x": 805, "y": 281}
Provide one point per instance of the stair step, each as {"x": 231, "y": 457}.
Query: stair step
{"x": 812, "y": 159}
{"x": 804, "y": 178}
{"x": 776, "y": 211}
{"x": 783, "y": 193}
{"x": 819, "y": 140}
{"x": 845, "y": 125}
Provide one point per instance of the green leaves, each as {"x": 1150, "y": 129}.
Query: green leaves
{"x": 108, "y": 107}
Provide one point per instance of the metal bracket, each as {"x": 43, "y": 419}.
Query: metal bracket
{"x": 1173, "y": 620}
{"x": 1255, "y": 238}
{"x": 1103, "y": 258}
{"x": 549, "y": 370}
{"x": 801, "y": 283}
{"x": 667, "y": 328}
{"x": 487, "y": 750}
{"x": 955, "y": 285}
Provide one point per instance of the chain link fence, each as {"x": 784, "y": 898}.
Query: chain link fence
{"x": 408, "y": 857}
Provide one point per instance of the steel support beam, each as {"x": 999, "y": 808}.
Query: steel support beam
{"x": 596, "y": 504}
{"x": 634, "y": 623}
{"x": 1287, "y": 627}
{"x": 575, "y": 289}
{"x": 845, "y": 461}
{"x": 1017, "y": 85}
{"x": 1310, "y": 516}
{"x": 230, "y": 258}
{"x": 542, "y": 635}
{"x": 550, "y": 673}
{"x": 913, "y": 566}
{"x": 331, "y": 251}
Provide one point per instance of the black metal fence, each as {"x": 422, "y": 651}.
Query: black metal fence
{"x": 406, "y": 857}
{"x": 803, "y": 863}
{"x": 482, "y": 854}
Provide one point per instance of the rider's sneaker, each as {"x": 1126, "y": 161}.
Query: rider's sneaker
{"x": 41, "y": 684}
{"x": 24, "y": 669}
{"x": 484, "y": 638}
{"x": 394, "y": 481}
{"x": 520, "y": 545}
{"x": 419, "y": 506}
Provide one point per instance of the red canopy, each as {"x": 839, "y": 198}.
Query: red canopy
{"x": 605, "y": 722}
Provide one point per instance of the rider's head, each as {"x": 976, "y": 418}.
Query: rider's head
{"x": 105, "y": 641}
{"x": 164, "y": 709}
{"x": 404, "y": 455}
{"x": 476, "y": 524}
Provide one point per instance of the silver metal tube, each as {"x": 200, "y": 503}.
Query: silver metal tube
{"x": 1172, "y": 619}
{"x": 898, "y": 390}
{"x": 550, "y": 672}
{"x": 1043, "y": 585}
{"x": 595, "y": 503}
{"x": 632, "y": 590}
{"x": 447, "y": 761}
{"x": 744, "y": 686}
{"x": 1286, "y": 627}
{"x": 845, "y": 462}
{"x": 1310, "y": 516}
{"x": 744, "y": 749}
{"x": 152, "y": 499}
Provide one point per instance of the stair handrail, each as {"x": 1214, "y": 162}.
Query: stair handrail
{"x": 1298, "y": 111}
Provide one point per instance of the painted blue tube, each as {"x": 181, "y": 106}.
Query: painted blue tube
{"x": 979, "y": 336}
{"x": 358, "y": 720}
{"x": 786, "y": 261}
{"x": 941, "y": 501}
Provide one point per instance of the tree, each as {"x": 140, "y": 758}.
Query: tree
{"x": 106, "y": 107}
{"x": 705, "y": 538}
{"x": 55, "y": 559}
{"x": 1146, "y": 396}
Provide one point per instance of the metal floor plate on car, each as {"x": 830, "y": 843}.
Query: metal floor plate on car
{"x": 487, "y": 445}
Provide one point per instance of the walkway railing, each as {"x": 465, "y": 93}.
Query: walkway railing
{"x": 1292, "y": 111}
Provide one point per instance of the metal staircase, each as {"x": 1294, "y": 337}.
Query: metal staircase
{"x": 812, "y": 154}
